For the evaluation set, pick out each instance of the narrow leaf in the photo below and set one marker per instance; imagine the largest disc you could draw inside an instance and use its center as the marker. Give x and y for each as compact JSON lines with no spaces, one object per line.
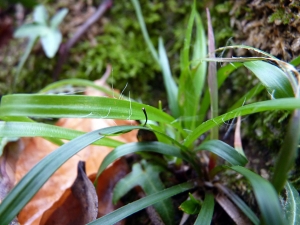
{"x":277,"y":104}
{"x":240,"y":203}
{"x":266,"y":197}
{"x":39,"y":174}
{"x":58,"y":18}
{"x":224,"y":151}
{"x":80,"y":82}
{"x":58,"y":106}
{"x":291,"y":205}
{"x":138,"y":205}
{"x":273,"y":78}
{"x":30,"y":30}
{"x":140,"y":147}
{"x":147,"y":177}
{"x":40,"y":15}
{"x":170,"y":85}
{"x":139,"y":15}
{"x":222,"y":75}
{"x":288,"y":152}
{"x":27,"y":129}
{"x":207,"y":210}
{"x":199,"y":51}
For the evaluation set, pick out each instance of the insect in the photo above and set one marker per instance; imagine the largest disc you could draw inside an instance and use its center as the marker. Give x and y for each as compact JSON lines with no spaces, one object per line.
{"x":146,"y":135}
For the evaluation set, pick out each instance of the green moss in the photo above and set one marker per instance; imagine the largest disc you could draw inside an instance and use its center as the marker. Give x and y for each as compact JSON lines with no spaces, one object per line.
{"x":122,"y":45}
{"x":281,"y":15}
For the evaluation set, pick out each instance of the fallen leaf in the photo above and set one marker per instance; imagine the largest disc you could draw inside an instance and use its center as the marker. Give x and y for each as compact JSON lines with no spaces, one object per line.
{"x":31,"y":150}
{"x":77,"y":206}
{"x":106,"y":183}
{"x":7,"y":170}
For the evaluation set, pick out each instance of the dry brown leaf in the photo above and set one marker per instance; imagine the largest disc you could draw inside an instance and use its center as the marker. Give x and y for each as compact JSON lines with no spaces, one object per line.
{"x":31,"y":150}
{"x":106,"y":183}
{"x":77,"y":206}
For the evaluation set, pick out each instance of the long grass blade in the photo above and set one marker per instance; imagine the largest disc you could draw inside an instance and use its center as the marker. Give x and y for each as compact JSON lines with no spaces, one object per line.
{"x":139,"y":15}
{"x":207,"y":210}
{"x":138,"y":205}
{"x":140,"y":147}
{"x":288,"y":152}
{"x":240,"y":203}
{"x":276,"y":104}
{"x":61,"y":106}
{"x":266,"y":197}
{"x":40,"y":173}
{"x":274,"y":79}
{"x":224,"y":151}
{"x":27,"y":129}
{"x":222,"y":75}
{"x":170,"y":85}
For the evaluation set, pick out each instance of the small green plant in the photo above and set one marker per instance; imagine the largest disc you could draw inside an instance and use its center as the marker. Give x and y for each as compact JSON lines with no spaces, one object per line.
{"x":178,"y":133}
{"x":43,"y":28}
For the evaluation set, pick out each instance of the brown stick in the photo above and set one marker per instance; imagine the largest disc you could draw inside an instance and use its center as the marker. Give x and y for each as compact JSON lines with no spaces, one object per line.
{"x":65,"y":48}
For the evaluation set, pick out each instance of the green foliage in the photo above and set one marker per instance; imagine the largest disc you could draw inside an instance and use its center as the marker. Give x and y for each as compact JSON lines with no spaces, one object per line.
{"x":46,"y":30}
{"x":191,"y":206}
{"x":280,"y":15}
{"x":291,"y":204}
{"x":146,"y":176}
{"x":122,"y":45}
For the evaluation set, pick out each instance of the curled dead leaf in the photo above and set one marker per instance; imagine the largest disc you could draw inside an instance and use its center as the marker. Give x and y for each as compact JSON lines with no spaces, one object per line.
{"x":29,"y":151}
{"x":77,"y":206}
{"x":106,"y":183}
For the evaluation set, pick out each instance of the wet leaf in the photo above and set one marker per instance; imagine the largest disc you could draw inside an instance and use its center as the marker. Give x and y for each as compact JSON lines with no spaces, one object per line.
{"x":77,"y":206}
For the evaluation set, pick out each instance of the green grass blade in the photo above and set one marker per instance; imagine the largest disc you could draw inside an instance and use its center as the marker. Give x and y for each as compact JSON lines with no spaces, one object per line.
{"x":273,"y":78}
{"x":248,"y":48}
{"x":240,"y":203}
{"x":80,"y":82}
{"x":138,"y":205}
{"x":291,"y":205}
{"x":288,"y":152}
{"x":26,"y":119}
{"x":140,"y":147}
{"x":222,"y":75}
{"x":170,"y":85}
{"x":27,"y":129}
{"x":224,"y":151}
{"x":146,"y":175}
{"x":139,"y":15}
{"x":189,"y":92}
{"x":188,"y":37}
{"x":60,"y":106}
{"x":40,"y":173}
{"x":31,"y":41}
{"x":207,"y":210}
{"x":250,"y":94}
{"x":296,"y":61}
{"x":276,"y":104}
{"x":199,"y":52}
{"x":265,"y":195}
